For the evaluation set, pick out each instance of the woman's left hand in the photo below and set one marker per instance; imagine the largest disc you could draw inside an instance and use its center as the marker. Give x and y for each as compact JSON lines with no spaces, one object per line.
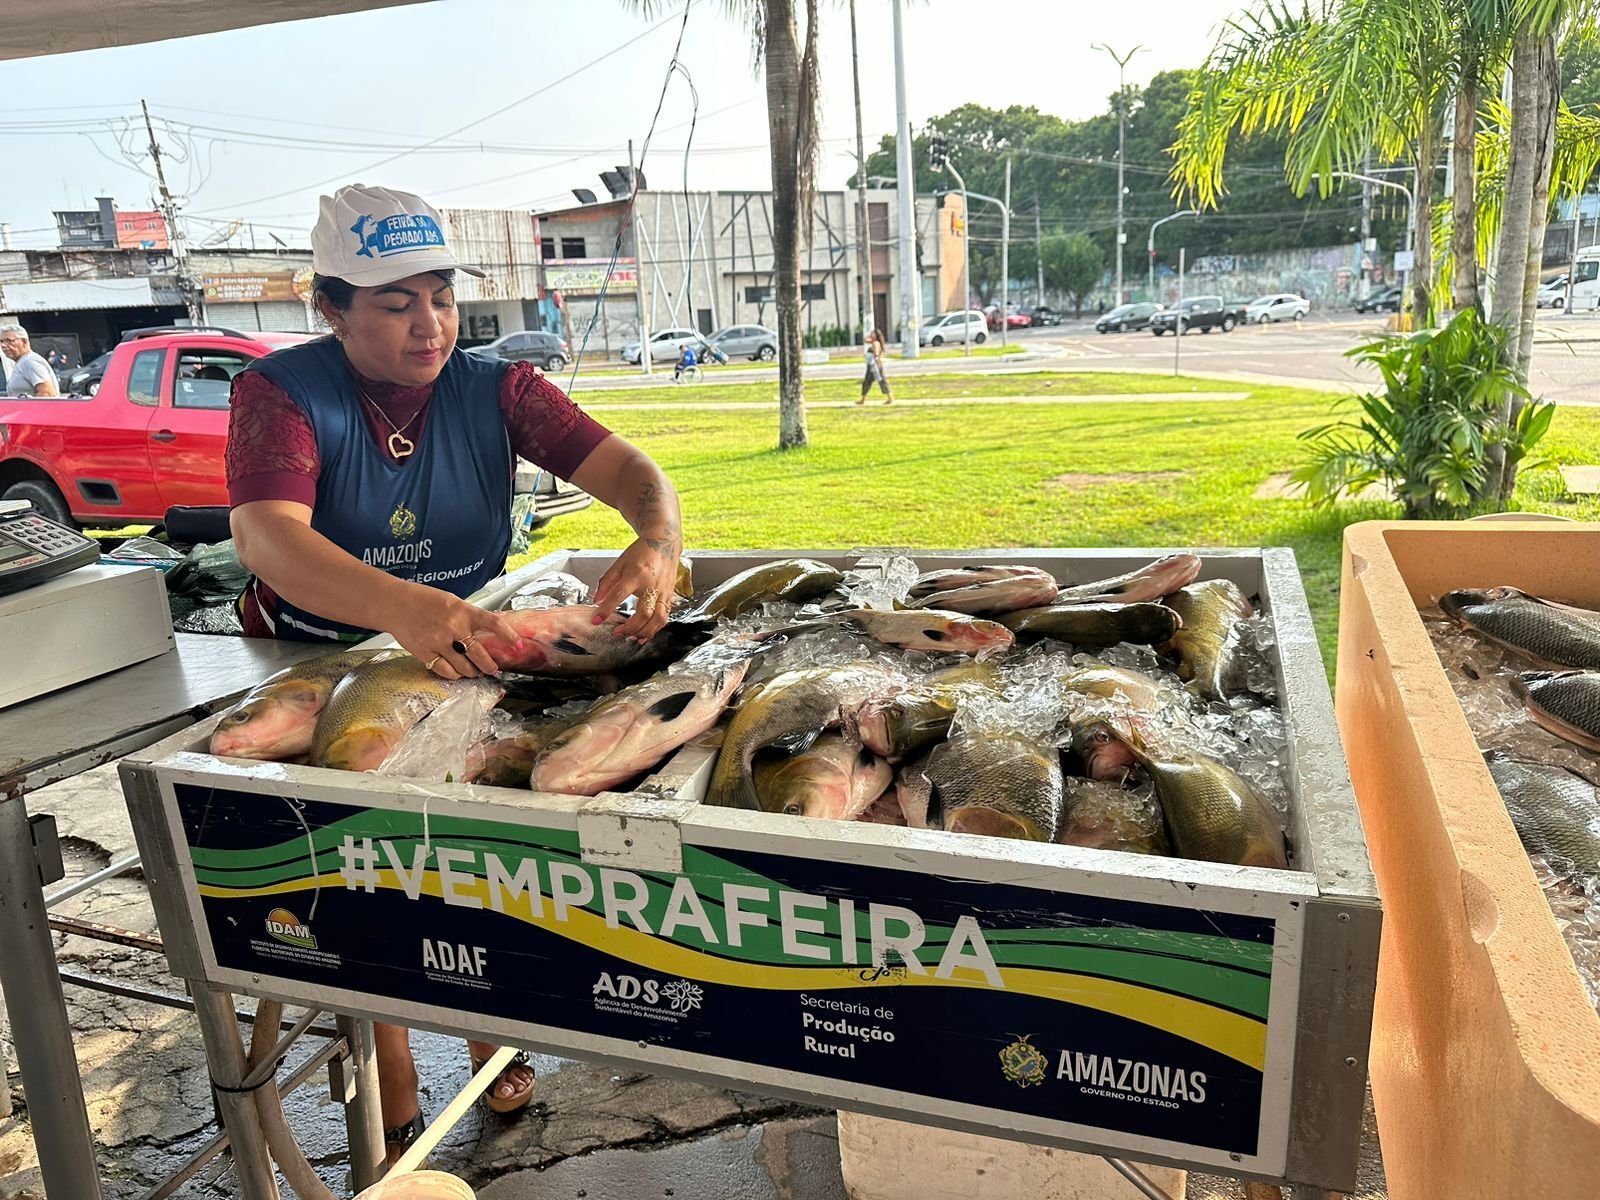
{"x":648,"y":570}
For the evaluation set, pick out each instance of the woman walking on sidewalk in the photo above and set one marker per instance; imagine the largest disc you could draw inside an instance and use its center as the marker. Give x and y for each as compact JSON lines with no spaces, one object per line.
{"x":874,"y":354}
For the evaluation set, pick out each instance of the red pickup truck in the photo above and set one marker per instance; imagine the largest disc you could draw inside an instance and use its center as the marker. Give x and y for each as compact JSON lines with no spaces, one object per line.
{"x":151,"y":438}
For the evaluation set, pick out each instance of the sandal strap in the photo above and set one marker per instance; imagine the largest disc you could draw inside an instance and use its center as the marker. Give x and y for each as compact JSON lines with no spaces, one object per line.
{"x":402,"y":1136}
{"x":520,"y":1059}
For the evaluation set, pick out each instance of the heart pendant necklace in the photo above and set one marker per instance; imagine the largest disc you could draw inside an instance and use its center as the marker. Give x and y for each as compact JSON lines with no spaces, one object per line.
{"x":400,"y":446}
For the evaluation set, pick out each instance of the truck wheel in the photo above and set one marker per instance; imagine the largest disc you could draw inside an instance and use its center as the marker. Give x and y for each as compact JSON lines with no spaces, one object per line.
{"x":1227,"y":323}
{"x":45,"y":499}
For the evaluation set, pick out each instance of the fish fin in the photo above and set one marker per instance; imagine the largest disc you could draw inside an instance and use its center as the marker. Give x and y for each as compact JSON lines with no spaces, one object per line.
{"x":670,"y":708}
{"x":795,"y":743}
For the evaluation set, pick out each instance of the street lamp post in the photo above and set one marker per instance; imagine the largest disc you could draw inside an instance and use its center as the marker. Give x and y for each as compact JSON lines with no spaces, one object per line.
{"x":1410,"y":211}
{"x":1122,"y":137}
{"x":1150,"y":242}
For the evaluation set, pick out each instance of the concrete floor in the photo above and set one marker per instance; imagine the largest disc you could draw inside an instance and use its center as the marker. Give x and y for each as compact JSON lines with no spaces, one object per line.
{"x":593,"y":1133}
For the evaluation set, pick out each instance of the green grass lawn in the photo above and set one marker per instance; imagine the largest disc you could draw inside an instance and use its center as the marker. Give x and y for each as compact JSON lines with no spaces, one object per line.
{"x":990,"y":349}
{"x":1167,"y":474}
{"x":920,"y":387}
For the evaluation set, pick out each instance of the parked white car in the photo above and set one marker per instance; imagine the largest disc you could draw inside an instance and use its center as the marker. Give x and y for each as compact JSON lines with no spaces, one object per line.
{"x":663,"y":345}
{"x":1552,"y":293}
{"x":1282,"y":306}
{"x":948,"y":327}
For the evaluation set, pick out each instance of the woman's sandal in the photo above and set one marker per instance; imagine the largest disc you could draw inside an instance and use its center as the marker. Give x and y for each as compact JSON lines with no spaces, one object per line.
{"x":397,"y":1140}
{"x":504,"y":1105}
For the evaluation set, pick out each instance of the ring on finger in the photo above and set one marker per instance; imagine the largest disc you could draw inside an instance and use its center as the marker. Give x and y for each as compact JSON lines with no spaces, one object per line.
{"x":648,"y":600}
{"x":462,"y":645}
{"x":431,"y":661}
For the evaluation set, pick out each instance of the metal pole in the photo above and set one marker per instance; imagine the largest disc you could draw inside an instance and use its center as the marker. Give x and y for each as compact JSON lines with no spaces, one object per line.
{"x":1005,"y":260}
{"x":454,"y":1111}
{"x":1150,"y":241}
{"x":966,"y":270}
{"x":1122,"y":138}
{"x":1038,"y":246}
{"x":1178,"y":325}
{"x":1364,"y":287}
{"x":1572,"y":264}
{"x":864,"y":236}
{"x":38,"y":1011}
{"x":252,"y":1165}
{"x":88,"y":881}
{"x":1141,"y":1182}
{"x":638,"y":291}
{"x":363,"y":1115}
{"x":906,"y":186}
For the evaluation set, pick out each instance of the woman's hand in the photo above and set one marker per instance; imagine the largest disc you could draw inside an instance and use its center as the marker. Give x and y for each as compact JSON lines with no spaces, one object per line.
{"x":648,"y":569}
{"x":429,"y":623}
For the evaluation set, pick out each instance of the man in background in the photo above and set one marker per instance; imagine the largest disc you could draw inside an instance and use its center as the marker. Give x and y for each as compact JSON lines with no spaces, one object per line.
{"x":30,"y":374}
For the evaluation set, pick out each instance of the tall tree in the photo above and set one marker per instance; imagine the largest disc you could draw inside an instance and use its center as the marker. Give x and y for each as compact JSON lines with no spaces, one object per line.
{"x":792,"y":126}
{"x":1074,"y":265}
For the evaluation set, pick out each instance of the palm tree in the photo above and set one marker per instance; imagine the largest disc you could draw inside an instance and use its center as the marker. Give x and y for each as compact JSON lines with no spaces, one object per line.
{"x":1337,"y":78}
{"x":792,"y":122}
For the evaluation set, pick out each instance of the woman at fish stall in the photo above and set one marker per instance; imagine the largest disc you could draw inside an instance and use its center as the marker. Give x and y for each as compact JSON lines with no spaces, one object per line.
{"x":370,"y":475}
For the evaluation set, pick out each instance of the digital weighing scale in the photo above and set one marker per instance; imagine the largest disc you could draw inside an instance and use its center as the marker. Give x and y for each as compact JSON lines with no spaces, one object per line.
{"x":64,"y":615}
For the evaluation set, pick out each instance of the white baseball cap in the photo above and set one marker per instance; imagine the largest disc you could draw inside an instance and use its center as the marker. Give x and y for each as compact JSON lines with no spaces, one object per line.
{"x":369,"y":236}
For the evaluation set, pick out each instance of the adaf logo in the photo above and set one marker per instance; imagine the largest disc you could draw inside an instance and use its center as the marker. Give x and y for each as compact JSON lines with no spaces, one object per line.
{"x":402,"y":522}
{"x":1023,"y":1063}
{"x":284,"y":926}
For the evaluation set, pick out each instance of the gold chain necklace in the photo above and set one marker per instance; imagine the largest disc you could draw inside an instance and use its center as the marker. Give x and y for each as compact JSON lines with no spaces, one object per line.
{"x":400,"y":446}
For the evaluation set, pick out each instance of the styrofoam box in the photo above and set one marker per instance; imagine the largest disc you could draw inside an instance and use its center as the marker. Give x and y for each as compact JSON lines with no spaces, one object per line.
{"x":80,"y":626}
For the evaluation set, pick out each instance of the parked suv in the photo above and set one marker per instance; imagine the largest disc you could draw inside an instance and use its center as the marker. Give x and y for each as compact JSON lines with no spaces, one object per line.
{"x":1204,"y":313}
{"x":663,"y":345}
{"x":545,"y":349}
{"x":955,"y":327}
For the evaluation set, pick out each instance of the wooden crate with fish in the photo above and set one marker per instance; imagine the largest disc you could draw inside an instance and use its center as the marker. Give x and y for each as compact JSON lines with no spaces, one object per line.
{"x":1456,"y":672}
{"x":1056,"y":845}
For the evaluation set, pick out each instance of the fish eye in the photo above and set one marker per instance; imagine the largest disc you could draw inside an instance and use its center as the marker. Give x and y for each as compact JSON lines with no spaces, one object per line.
{"x":933,"y":635}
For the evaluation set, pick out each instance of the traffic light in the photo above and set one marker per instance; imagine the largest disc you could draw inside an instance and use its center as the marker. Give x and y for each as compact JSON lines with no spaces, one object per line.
{"x":938,"y":152}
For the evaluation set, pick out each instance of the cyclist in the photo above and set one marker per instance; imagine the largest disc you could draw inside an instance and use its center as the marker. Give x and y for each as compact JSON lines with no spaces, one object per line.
{"x":686,"y":360}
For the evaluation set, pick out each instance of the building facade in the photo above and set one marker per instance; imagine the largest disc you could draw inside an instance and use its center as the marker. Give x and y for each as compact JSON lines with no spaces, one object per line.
{"x":704,"y":261}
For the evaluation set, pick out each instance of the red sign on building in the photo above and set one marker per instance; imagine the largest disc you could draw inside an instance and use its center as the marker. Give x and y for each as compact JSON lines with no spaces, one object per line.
{"x":141,"y":231}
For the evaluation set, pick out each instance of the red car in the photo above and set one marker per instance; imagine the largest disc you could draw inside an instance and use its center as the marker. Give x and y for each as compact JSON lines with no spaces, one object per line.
{"x":1015,"y":319}
{"x":150,"y":438}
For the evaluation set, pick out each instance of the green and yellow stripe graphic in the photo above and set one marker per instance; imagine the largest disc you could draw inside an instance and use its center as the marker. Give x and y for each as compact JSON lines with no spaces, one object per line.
{"x":1209,"y":989}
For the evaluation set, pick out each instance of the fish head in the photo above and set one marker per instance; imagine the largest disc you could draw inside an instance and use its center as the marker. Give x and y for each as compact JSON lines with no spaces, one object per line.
{"x":895,"y":726}
{"x":807,"y":785}
{"x":276,"y":723}
{"x":1105,"y":750}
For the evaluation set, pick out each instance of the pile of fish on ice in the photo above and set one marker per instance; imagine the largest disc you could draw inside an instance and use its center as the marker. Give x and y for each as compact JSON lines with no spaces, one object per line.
{"x":1540,"y":734}
{"x":1132,"y":714}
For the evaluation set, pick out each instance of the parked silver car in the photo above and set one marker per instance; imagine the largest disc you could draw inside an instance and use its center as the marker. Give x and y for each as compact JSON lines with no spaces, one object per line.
{"x":547,"y":350}
{"x":663,"y":345}
{"x":746,"y":341}
{"x":1279,"y":306}
{"x":948,"y":327}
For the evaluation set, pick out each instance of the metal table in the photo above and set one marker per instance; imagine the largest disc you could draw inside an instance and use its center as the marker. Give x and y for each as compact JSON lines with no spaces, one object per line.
{"x":52,"y":738}
{"x":59,"y":735}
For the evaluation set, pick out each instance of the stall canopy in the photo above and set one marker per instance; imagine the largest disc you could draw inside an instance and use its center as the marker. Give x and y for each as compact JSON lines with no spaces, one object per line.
{"x":40,"y":27}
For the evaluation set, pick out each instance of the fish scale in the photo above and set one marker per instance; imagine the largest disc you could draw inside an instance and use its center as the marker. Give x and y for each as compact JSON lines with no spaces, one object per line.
{"x":1551,"y":633}
{"x":1567,"y":703}
{"x":996,"y":785}
{"x":372,"y":709}
{"x":1555,"y":812}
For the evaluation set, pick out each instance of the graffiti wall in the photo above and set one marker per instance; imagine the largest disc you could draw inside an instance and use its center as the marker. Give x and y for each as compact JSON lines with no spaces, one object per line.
{"x":1329,"y":276}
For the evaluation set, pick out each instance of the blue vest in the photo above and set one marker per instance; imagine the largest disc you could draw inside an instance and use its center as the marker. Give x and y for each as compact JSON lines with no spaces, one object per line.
{"x":442,"y":517}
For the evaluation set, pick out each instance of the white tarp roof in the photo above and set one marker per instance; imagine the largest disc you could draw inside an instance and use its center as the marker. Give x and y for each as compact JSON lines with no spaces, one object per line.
{"x":56,"y":295}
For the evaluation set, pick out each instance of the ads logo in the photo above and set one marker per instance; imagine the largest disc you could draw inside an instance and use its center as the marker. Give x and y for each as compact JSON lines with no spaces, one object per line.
{"x":284,"y":926}
{"x":679,"y":995}
{"x":1023,"y":1063}
{"x":402,"y":522}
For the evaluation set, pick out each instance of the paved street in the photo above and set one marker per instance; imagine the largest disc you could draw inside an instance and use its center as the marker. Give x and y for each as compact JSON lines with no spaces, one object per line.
{"x":1566,"y":359}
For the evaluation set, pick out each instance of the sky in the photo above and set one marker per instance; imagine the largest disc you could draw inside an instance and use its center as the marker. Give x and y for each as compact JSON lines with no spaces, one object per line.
{"x":512,"y":103}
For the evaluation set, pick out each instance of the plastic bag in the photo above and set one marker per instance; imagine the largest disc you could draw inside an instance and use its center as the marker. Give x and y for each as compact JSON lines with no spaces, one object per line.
{"x":556,"y":590}
{"x":436,"y":748}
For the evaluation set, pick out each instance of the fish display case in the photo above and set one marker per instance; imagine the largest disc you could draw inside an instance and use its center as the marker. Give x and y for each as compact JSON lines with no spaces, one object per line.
{"x":1486,"y":1049}
{"x":1173,"y":1011}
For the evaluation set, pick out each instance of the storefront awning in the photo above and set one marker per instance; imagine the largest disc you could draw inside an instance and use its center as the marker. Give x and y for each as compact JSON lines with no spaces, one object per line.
{"x":56,"y":295}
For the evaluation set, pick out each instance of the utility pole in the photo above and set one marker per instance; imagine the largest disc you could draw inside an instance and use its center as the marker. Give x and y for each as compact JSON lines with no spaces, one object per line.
{"x":864,"y":236}
{"x":169,"y":210}
{"x":638,"y":287}
{"x":1122,"y":145}
{"x":1038,"y":246}
{"x":906,"y":186}
{"x":1005,"y":259}
{"x":1364,"y":287}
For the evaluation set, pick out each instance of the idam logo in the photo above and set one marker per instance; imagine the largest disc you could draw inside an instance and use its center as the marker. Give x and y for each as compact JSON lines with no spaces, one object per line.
{"x":286,"y":927}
